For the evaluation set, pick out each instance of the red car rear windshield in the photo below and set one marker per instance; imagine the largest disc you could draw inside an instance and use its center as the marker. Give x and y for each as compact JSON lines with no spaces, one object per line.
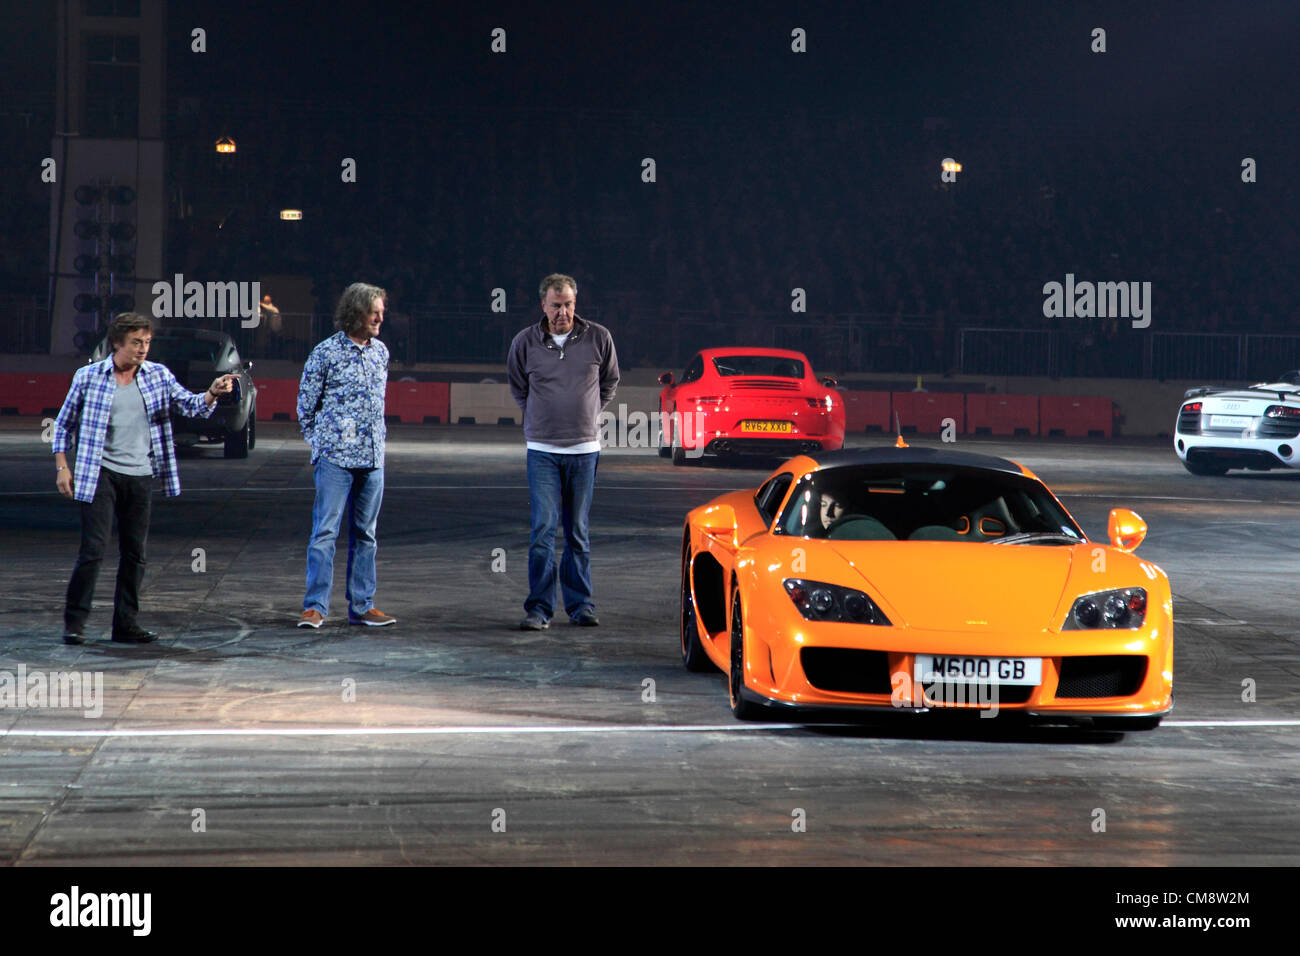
{"x":769,"y":366}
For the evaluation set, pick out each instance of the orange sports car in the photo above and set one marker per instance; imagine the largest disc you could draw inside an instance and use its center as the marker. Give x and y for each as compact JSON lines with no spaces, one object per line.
{"x":917,"y":579}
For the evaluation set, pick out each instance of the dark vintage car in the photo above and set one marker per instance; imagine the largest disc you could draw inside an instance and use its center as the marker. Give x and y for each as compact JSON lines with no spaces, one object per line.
{"x":196,"y":357}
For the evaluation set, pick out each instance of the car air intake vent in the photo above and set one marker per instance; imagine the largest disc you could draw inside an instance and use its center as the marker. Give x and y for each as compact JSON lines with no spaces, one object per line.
{"x":785,"y":385}
{"x":948,"y":694}
{"x":1272,"y":428}
{"x":1118,"y":675}
{"x":1189,"y":422}
{"x":846,"y":669}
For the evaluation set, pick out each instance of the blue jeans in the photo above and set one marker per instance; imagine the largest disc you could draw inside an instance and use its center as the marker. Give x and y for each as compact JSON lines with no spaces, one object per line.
{"x":559,"y":494}
{"x":358,"y":491}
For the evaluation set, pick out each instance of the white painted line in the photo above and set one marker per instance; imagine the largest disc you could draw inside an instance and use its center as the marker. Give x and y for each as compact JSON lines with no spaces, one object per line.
{"x":1230,"y":723}
{"x":403,"y":731}
{"x":1240,"y":501}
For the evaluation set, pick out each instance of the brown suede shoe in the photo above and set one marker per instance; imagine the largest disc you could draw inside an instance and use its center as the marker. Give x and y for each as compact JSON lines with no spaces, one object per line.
{"x":372,"y":618}
{"x":311,"y":618}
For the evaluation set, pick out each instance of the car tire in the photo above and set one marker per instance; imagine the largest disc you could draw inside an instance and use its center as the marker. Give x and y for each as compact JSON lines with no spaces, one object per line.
{"x":1203,"y":470}
{"x":694,"y":657}
{"x":238,"y":443}
{"x":252,"y":426}
{"x":664,"y":450}
{"x":740,"y":708}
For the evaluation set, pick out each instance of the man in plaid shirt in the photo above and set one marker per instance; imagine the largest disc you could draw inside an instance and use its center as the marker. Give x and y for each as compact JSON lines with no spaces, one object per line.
{"x":118,"y":414}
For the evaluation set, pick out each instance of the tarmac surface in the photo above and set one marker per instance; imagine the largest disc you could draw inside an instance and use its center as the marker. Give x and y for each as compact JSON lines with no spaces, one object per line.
{"x":453,"y":738}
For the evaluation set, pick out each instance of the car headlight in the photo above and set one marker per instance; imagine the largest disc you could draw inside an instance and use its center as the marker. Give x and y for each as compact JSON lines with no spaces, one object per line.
{"x":1121,"y":608}
{"x":829,"y":602}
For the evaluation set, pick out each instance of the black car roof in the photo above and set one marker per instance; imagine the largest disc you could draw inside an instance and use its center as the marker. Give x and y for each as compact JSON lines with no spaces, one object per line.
{"x":913,"y":456}
{"x":211,"y":335}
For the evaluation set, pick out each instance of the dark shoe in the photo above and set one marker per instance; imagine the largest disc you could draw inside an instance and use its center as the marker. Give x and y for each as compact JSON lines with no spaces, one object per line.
{"x":372,"y":618}
{"x":586,"y":618}
{"x":534,"y":622}
{"x":73,"y":637}
{"x":134,"y":635}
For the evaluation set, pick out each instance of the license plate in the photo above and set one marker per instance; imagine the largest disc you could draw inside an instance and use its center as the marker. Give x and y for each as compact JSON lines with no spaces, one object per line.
{"x":939,"y":668}
{"x":1229,"y":421}
{"x":751,"y":426}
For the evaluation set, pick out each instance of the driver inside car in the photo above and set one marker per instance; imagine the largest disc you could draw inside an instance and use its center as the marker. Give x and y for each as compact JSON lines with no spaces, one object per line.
{"x":832,"y":508}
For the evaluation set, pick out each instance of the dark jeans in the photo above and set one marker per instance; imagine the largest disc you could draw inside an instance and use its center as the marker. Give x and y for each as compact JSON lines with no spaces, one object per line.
{"x":559,"y":490}
{"x":125,"y":497}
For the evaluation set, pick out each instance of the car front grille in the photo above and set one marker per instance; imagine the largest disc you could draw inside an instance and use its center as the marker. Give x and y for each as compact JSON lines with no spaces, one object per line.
{"x":947,"y":693}
{"x":1115,"y":675}
{"x":846,"y":670}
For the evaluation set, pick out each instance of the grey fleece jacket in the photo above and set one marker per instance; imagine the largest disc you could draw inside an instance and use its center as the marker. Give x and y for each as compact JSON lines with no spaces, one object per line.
{"x":561,"y":391}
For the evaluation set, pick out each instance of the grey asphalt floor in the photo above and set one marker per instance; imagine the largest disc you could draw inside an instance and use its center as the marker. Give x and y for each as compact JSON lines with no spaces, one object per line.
{"x":454,"y":738}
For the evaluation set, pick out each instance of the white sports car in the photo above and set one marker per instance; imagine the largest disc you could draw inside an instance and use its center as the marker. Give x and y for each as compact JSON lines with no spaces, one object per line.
{"x":1254,"y":427}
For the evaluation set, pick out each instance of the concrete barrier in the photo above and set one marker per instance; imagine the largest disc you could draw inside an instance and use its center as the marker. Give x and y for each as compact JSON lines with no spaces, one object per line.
{"x":867,"y":412}
{"x":473,"y":403}
{"x":924,"y":412}
{"x":277,"y":399}
{"x":418,"y":402}
{"x":38,"y":394}
{"x":1001,"y":414}
{"x":1076,"y":416}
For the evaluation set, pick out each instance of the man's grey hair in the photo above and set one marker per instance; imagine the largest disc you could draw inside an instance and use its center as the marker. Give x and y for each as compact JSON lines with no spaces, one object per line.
{"x":557,"y":281}
{"x":354,"y":306}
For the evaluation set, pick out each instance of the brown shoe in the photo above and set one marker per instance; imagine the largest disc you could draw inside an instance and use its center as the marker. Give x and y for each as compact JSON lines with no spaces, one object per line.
{"x":372,"y":618}
{"x":311,"y":618}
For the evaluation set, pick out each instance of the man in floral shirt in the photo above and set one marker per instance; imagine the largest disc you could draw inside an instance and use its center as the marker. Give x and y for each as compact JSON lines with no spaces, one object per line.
{"x":341,"y":412}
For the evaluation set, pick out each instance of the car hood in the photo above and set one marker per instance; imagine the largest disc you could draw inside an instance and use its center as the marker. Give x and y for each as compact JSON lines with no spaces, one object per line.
{"x":964,"y":586}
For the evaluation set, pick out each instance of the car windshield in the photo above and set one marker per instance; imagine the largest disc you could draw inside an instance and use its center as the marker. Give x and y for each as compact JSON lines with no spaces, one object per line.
{"x":771,"y":366}
{"x":925,"y":503}
{"x":166,"y":349}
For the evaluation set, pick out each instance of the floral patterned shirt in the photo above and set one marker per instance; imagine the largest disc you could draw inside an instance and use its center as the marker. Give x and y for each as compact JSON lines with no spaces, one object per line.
{"x":341,"y":402}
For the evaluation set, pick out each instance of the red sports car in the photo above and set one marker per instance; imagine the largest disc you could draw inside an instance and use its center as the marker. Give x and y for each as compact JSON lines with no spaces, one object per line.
{"x":748,"y":401}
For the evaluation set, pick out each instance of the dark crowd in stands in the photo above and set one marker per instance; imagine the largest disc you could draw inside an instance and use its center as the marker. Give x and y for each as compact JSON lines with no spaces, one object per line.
{"x":451,"y":205}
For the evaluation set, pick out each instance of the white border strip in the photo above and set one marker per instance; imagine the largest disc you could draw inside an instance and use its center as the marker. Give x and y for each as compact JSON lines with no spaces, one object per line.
{"x":402,"y":731}
{"x":504,"y":730}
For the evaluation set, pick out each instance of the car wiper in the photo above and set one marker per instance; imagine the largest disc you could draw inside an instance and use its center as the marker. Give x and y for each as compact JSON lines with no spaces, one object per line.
{"x":1038,"y":537}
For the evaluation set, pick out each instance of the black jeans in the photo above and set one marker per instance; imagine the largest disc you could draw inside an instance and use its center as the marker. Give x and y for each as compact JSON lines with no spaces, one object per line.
{"x":125,"y":497}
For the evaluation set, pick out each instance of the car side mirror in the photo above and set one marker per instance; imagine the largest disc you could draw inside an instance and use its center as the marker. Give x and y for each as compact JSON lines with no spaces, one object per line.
{"x":1126,"y":529}
{"x":720,"y":521}
{"x":666,"y":378}
{"x":829,"y":382}
{"x":248,"y":366}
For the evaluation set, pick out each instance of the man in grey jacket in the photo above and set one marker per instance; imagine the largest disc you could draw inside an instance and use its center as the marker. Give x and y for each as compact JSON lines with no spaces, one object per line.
{"x":563,"y":371}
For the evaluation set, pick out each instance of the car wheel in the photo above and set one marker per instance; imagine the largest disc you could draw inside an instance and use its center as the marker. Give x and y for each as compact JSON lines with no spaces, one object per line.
{"x":693,"y":654}
{"x":664,"y":450}
{"x":1205,"y":470}
{"x":741,"y":708}
{"x":238,"y":443}
{"x":252,"y":427}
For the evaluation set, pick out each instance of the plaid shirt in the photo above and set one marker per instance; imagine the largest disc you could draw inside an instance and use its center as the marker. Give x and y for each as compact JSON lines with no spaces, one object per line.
{"x":84,"y":420}
{"x":341,"y":402}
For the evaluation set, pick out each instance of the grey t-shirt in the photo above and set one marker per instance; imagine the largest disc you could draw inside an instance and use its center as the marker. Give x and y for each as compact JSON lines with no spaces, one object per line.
{"x":126,"y":446}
